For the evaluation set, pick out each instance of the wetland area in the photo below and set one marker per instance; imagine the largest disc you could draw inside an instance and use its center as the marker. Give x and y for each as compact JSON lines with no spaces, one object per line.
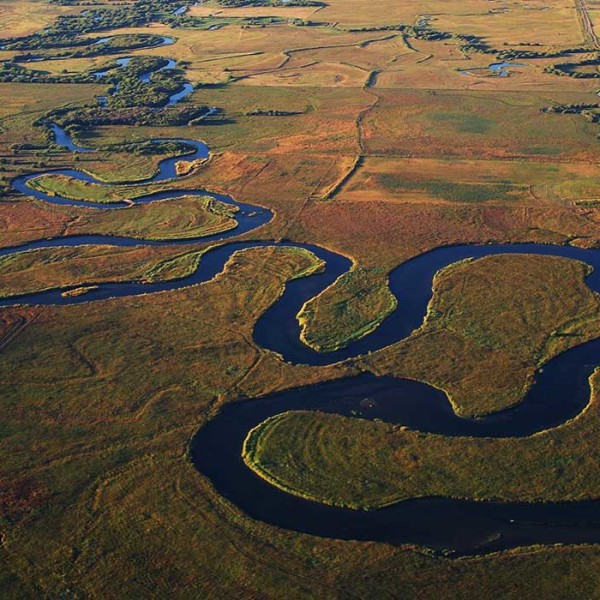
{"x":299,"y":296}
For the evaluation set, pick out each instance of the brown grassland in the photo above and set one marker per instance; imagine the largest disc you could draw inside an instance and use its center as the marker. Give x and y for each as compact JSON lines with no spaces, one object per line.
{"x":28,"y":16}
{"x":371,"y":144}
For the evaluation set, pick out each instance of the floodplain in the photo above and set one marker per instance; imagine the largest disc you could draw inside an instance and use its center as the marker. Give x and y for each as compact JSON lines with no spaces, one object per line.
{"x":278,"y":153}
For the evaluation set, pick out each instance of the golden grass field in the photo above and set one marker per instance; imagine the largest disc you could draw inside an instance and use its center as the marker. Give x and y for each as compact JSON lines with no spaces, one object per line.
{"x":26,"y":17}
{"x":500,"y":21}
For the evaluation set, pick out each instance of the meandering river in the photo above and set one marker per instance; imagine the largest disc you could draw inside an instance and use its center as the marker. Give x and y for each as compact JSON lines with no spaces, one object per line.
{"x":560,"y":392}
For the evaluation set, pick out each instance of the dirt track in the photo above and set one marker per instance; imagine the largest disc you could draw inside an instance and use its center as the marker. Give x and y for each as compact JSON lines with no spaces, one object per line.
{"x":587,"y":26}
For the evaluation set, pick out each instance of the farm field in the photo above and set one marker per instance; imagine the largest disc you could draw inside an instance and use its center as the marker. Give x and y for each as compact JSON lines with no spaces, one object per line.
{"x":24,"y":18}
{"x":299,"y":299}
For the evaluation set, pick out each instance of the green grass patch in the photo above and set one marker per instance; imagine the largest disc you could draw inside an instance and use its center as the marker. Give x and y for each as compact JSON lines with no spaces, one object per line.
{"x":84,"y":266}
{"x":187,"y":217}
{"x":85,"y":191}
{"x":449,"y":190}
{"x":174,"y":268}
{"x":463,"y":122}
{"x":543,"y":151}
{"x":367,"y":465}
{"x":352,"y":307}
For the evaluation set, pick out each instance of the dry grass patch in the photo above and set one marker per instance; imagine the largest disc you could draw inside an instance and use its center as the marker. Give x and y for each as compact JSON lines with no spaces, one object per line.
{"x":25,"y":17}
{"x":492,"y":181}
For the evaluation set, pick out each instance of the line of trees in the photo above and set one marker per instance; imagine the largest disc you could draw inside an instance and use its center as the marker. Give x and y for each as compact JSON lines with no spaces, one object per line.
{"x":570,"y":69}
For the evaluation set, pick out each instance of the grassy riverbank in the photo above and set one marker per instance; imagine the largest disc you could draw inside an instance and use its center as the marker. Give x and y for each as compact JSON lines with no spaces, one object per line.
{"x":356,"y":305}
{"x":480,"y":342}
